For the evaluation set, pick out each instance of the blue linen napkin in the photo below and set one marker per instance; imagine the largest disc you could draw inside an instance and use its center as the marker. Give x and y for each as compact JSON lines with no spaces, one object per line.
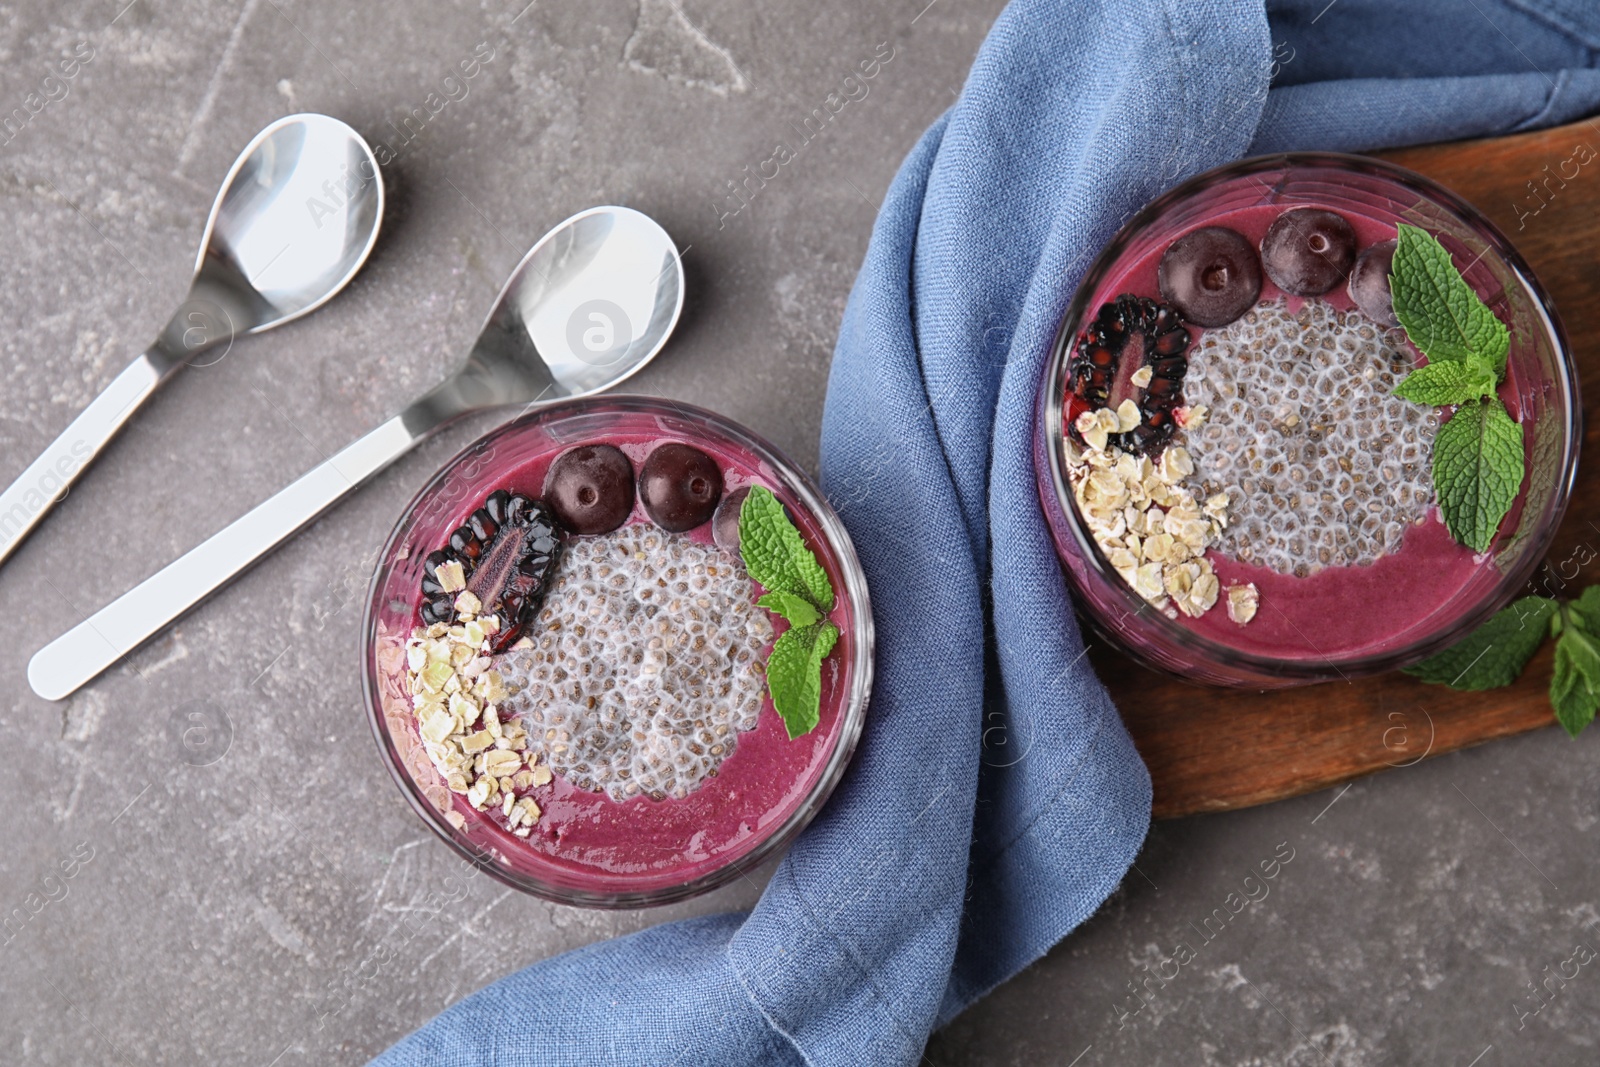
{"x":996,"y":799}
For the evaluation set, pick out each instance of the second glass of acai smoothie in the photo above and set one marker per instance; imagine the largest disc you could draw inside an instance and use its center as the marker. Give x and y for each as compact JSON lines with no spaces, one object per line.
{"x":1237,"y":492}
{"x":619,"y":651}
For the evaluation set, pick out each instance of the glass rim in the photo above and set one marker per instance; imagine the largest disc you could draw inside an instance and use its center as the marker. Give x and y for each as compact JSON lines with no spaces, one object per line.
{"x":852,"y":715}
{"x":1052,"y":397}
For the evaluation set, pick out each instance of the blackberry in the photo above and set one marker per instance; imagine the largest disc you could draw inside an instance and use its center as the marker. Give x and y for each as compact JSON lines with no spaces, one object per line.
{"x":1131,"y":332}
{"x":507,"y":550}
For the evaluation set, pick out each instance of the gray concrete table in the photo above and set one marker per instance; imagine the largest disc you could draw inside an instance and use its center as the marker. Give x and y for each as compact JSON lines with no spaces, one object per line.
{"x":250,"y":894}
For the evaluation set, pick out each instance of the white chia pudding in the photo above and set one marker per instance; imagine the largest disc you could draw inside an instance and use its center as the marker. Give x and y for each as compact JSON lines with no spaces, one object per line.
{"x":1323,"y":464}
{"x":645,"y":665}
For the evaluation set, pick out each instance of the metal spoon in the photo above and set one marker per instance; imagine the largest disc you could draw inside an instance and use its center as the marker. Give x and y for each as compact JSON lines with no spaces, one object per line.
{"x":294,"y":221}
{"x":589,"y":305}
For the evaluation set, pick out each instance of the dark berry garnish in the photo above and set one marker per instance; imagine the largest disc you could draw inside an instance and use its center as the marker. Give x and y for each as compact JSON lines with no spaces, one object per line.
{"x":507,"y":550}
{"x":1308,"y":251}
{"x":1369,"y":283}
{"x":1129,"y":333}
{"x":725,"y":523}
{"x":1211,"y":275}
{"x":590,"y":488}
{"x":679,"y":486}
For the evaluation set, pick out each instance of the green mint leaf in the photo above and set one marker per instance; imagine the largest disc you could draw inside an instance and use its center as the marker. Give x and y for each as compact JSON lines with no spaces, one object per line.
{"x":1587,"y":609}
{"x":1575,"y":686}
{"x":1445,"y":382}
{"x":797,"y":609}
{"x":1441,"y":313}
{"x":1494,"y":654}
{"x":794,"y":675}
{"x":1477,"y":470}
{"x":776,"y":556}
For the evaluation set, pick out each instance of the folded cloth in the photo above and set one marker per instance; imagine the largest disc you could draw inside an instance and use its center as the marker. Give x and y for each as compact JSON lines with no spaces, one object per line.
{"x":996,"y":799}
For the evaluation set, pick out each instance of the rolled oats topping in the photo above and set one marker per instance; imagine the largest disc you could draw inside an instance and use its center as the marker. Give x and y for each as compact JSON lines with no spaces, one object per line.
{"x":456,"y":696}
{"x":1242,"y":602}
{"x":1147,"y":521}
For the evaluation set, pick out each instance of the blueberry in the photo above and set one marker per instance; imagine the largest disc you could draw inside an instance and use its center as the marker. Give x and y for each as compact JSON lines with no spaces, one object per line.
{"x":1211,"y":275}
{"x":679,"y":486}
{"x":590,"y":488}
{"x":1369,"y":283}
{"x":725,"y":523}
{"x":1308,"y":251}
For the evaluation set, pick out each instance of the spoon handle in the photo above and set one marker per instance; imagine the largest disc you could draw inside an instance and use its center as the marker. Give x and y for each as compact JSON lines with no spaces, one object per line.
{"x":47,"y":478}
{"x":77,"y":656}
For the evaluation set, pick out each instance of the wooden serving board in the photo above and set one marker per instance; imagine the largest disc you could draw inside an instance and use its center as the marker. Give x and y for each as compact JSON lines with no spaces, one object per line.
{"x":1214,"y":749}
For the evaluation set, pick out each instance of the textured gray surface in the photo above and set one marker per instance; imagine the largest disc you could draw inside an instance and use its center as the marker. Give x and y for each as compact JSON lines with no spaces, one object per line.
{"x":263,"y":907}
{"x":1404,"y":930}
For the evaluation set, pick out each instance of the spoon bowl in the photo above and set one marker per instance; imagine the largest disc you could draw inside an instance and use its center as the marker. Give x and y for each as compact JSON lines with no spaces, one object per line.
{"x":295,"y":219}
{"x":587,"y":307}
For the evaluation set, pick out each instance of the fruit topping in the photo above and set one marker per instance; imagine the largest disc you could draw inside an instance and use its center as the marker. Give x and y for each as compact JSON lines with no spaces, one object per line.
{"x":1130,"y":364}
{"x":1308,"y":251}
{"x":1369,"y":283}
{"x":679,"y":486}
{"x":1212,"y":275}
{"x":504,"y":554}
{"x":590,"y":488}
{"x":725,"y":523}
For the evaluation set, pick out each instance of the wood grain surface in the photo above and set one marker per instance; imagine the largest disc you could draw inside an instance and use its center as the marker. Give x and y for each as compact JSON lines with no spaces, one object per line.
{"x":1215,"y":749}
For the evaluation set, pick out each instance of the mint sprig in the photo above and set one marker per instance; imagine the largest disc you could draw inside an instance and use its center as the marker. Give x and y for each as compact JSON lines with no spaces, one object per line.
{"x":774,"y":553}
{"x":1477,"y":470}
{"x":1575,"y":686}
{"x":1478,"y":462}
{"x":1445,"y":382}
{"x":794,"y":675}
{"x":798,"y":589}
{"x":797,"y":609}
{"x":1441,"y":313}
{"x":1495,"y":653}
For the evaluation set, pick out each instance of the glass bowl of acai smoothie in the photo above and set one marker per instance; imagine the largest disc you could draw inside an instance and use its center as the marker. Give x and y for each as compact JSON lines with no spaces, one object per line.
{"x":1241,"y":489}
{"x":567,"y":651}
